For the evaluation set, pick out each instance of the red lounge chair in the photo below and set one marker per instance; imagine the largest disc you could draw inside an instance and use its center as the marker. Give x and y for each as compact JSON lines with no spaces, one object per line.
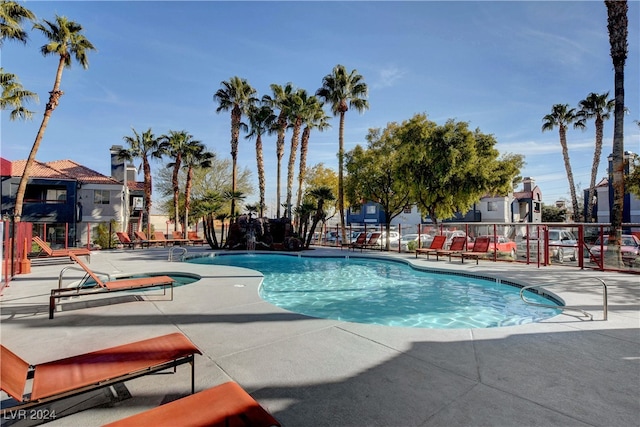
{"x":457,"y":246}
{"x":158,"y":236}
{"x":373,"y":241}
{"x":126,"y":240}
{"x":79,"y":374}
{"x":58,"y":253}
{"x":194,"y":239}
{"x":110,"y":286}
{"x":480,"y":248}
{"x":436,"y":244}
{"x":141,"y":238}
{"x":221,"y":406}
{"x":360,"y":241}
{"x":178,"y":238}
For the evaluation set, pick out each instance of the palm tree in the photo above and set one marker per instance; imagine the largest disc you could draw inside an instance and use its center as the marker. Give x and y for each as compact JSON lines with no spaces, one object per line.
{"x":303,"y":213}
{"x":280,"y":100}
{"x":174,"y":145}
{"x":235,"y":198}
{"x":65,"y":40}
{"x":14,"y":96}
{"x":343,"y":90}
{"x":597,"y":107}
{"x":298,"y":104}
{"x":562,"y":116}
{"x":236,"y":95}
{"x":12,"y":15}
{"x":195,"y":156}
{"x":617,"y":24}
{"x":261,"y":121}
{"x":142,"y":147}
{"x":314,"y":117}
{"x":321,"y":194}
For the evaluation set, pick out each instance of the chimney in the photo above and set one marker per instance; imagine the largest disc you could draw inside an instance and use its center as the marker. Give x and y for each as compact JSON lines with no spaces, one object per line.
{"x":528,"y":183}
{"x":117,"y":163}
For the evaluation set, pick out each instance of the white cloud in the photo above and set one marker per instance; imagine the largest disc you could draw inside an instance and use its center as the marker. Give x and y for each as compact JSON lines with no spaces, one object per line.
{"x":387,"y":77}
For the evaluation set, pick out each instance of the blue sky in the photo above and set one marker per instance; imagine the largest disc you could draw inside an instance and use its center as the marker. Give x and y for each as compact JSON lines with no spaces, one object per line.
{"x":498,"y":65}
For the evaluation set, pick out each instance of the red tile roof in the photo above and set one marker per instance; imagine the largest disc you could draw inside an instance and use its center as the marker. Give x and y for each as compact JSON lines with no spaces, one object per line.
{"x":62,"y":169}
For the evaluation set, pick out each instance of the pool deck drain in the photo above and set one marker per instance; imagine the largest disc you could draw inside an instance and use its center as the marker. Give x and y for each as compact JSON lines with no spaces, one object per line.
{"x":308,"y":371}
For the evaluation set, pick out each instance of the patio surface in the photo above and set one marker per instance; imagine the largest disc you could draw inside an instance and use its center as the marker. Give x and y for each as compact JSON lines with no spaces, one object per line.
{"x":565,"y":371}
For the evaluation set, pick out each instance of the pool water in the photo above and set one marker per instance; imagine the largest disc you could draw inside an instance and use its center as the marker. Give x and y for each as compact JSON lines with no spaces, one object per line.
{"x":385,"y":292}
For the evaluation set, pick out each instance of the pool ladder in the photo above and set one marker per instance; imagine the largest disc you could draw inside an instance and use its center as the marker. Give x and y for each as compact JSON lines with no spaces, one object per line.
{"x":181,"y":256}
{"x":605,"y":304}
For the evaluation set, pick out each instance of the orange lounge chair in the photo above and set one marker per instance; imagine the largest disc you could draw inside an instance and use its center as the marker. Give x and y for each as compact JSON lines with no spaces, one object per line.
{"x":178,"y":238}
{"x":194,"y":239}
{"x":361,"y":240}
{"x":158,"y":236}
{"x":225,"y":405}
{"x":480,"y":248}
{"x":141,"y":238}
{"x":126,"y":240}
{"x":79,"y":374}
{"x":457,"y":246}
{"x":58,"y":253}
{"x":110,"y":286}
{"x":373,"y":241}
{"x":436,"y":244}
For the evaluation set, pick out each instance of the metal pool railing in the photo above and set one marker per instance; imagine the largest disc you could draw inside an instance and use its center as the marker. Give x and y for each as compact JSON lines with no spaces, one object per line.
{"x":605,"y":303}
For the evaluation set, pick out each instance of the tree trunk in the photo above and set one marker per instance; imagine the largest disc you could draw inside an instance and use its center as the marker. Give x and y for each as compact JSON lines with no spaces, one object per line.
{"x":295,"y":139}
{"x":567,"y":166}
{"x":54,"y":99}
{"x":304,"y":148}
{"x":341,"y":174}
{"x":594,"y":167}
{"x":261,"y":179}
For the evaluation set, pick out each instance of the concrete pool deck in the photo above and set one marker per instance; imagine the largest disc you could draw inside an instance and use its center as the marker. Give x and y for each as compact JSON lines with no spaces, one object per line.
{"x":565,"y":371}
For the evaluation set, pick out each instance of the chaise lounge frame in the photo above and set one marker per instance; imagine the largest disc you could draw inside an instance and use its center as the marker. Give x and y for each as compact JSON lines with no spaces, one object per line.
{"x":437,"y":244}
{"x":59,"y":253}
{"x":71,"y":376}
{"x":480,"y":249}
{"x":109,"y":286}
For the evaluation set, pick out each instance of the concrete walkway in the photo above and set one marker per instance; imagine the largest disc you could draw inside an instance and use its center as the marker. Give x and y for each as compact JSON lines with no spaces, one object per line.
{"x":316,"y":372}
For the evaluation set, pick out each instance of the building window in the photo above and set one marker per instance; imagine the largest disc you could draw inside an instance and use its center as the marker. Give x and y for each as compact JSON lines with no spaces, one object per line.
{"x":536,"y":207}
{"x":56,"y":196}
{"x":492,"y":206}
{"x":371,"y":210}
{"x":407,"y":209}
{"x":101,"y":197}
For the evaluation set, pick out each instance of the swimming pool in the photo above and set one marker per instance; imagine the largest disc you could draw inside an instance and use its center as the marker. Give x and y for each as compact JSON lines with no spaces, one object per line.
{"x":392,"y":293}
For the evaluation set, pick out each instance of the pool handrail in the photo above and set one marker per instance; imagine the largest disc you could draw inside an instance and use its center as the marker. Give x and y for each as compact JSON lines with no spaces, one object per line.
{"x":605,"y":303}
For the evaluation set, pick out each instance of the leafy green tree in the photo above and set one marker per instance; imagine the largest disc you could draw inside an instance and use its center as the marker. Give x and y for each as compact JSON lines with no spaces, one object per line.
{"x":343,"y":90}
{"x":562,"y":116}
{"x":375,"y":173}
{"x":261,"y":120}
{"x":143,"y":146}
{"x":552,"y":213}
{"x":281,"y":101}
{"x":65,"y":40}
{"x":236,"y":95}
{"x":598,"y":107}
{"x":321,"y":195}
{"x":617,"y":25}
{"x":321,"y":176}
{"x":449,"y":167}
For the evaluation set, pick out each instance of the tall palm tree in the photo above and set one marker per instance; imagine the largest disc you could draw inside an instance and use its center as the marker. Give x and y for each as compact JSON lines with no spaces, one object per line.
{"x":298,"y":103}
{"x":321,"y":194}
{"x":195,"y":156}
{"x":281,"y":101}
{"x":617,"y":24}
{"x":236,"y":95}
{"x":597,"y":107}
{"x":14,"y":96}
{"x":174,"y":145}
{"x":343,"y":90}
{"x":143,"y":146}
{"x":261,"y":120}
{"x":314,"y":117}
{"x":12,"y":15}
{"x":65,"y":40}
{"x":562,"y":116}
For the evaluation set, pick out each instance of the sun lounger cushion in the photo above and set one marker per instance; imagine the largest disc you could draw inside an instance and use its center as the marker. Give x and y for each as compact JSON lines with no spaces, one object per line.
{"x":226,"y":405}
{"x":85,"y":372}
